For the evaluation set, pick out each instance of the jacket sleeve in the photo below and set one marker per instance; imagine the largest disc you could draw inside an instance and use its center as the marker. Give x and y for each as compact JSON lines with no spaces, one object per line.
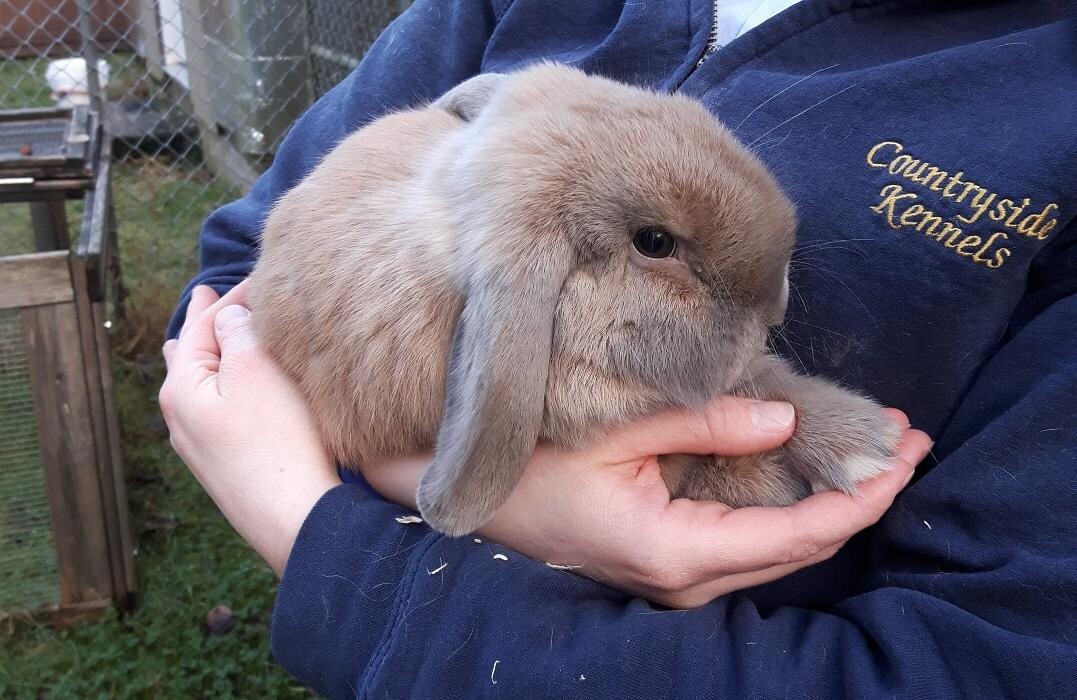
{"x":429,"y":49}
{"x":972,"y":590}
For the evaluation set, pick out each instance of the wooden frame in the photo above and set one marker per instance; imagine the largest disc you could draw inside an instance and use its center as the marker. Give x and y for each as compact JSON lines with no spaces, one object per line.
{"x":63,"y":296}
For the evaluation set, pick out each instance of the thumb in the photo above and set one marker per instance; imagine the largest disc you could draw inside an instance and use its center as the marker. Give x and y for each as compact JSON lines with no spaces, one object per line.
{"x":233,"y":329}
{"x":728,"y":426}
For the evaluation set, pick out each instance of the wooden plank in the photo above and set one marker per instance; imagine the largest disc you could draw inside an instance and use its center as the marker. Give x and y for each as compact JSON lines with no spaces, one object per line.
{"x":78,"y":138}
{"x":42,"y":190}
{"x":90,"y":278}
{"x":24,"y":113}
{"x":53,"y":615}
{"x":116,"y":294}
{"x":68,"y":452}
{"x":95,"y":369}
{"x":35,"y":279}
{"x":124,"y":579}
{"x":49,"y":220}
{"x":98,"y":200}
{"x":93,"y":239}
{"x":89,"y":265}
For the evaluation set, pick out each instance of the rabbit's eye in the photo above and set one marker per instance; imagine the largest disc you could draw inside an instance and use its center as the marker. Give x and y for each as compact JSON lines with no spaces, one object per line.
{"x":654,"y":242}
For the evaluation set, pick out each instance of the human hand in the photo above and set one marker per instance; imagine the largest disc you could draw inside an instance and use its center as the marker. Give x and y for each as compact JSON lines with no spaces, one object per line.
{"x":606,"y":513}
{"x":242,"y":427}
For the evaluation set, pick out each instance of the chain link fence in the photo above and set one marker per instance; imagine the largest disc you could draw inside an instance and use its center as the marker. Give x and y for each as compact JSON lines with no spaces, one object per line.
{"x":197,"y":93}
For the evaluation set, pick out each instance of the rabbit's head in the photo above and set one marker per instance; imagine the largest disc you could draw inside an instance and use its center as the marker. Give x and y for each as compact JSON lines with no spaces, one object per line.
{"x":618,"y":251}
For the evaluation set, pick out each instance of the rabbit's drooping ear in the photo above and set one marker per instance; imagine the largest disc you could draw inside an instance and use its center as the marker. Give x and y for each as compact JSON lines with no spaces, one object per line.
{"x":495,"y":392}
{"x":468,"y":98}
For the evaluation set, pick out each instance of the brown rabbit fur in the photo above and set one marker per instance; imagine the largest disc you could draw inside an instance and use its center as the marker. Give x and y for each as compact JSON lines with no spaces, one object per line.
{"x":468,"y":276}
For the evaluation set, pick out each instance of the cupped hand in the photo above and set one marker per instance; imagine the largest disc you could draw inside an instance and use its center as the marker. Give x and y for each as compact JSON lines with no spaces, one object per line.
{"x":246,"y":433}
{"x":606,"y":512}
{"x":241,"y":426}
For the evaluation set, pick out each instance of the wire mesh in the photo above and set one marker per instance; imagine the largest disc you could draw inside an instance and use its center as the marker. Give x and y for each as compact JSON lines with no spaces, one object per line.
{"x":201,"y":91}
{"x":341,"y":32}
{"x":198,"y":95}
{"x":28,"y":576}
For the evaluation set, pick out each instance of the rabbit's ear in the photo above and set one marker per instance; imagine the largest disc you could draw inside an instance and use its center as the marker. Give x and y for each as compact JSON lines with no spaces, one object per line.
{"x":468,"y":98}
{"x":495,"y":392}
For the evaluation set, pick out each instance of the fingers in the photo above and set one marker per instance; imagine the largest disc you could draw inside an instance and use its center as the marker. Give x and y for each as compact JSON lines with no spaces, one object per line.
{"x":197,"y":336}
{"x":898,"y":416}
{"x":759,"y":538}
{"x":168,"y":350}
{"x":727,"y":426}
{"x":704,"y":593}
{"x":202,"y":297}
{"x":196,"y":340}
{"x":241,"y":356}
{"x":232,"y":330}
{"x":239,"y":294}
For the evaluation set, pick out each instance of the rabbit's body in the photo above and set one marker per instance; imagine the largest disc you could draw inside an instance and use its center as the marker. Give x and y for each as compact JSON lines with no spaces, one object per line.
{"x":355,"y":294}
{"x":469,"y":277}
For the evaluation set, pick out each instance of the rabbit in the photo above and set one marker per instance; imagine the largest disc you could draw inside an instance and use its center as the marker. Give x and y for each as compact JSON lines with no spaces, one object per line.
{"x":544,"y":255}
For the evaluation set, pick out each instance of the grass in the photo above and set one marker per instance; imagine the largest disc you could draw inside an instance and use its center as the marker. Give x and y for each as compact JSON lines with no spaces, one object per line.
{"x":189,"y":559}
{"x":22,"y":82}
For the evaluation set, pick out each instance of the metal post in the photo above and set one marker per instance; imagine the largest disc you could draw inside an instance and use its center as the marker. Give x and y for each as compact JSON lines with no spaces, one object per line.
{"x":89,"y":54}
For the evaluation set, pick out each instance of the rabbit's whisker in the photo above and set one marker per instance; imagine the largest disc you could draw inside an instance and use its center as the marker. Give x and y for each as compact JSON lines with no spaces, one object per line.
{"x":821,"y":328}
{"x":837,"y":243}
{"x":800,"y":114}
{"x":780,"y":93}
{"x":779,"y":331}
{"x":832,"y":275}
{"x":772,"y":144}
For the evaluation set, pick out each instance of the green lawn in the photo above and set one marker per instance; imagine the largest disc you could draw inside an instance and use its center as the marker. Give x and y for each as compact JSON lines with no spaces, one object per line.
{"x":189,"y":559}
{"x":22,"y":82}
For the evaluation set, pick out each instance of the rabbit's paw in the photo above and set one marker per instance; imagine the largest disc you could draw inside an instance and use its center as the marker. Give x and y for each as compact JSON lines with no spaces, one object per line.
{"x":841,"y":439}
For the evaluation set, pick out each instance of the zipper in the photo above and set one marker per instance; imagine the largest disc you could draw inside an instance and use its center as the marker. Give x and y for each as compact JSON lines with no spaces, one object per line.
{"x":712,"y":40}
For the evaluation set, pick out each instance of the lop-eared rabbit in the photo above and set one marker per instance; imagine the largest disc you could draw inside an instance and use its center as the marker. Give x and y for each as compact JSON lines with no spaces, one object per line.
{"x":544,"y":255}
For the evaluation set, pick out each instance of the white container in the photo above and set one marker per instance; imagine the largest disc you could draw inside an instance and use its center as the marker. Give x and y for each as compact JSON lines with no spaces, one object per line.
{"x":68,"y":80}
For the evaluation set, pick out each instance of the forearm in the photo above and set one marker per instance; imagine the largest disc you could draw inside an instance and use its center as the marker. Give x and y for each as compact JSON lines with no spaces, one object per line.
{"x":373,"y":606}
{"x":242,"y":427}
{"x":268,"y":503}
{"x":971,"y":589}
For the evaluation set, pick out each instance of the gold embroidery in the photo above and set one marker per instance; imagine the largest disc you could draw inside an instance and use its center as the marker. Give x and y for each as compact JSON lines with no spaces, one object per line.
{"x":1000,"y":257}
{"x":1016,"y":211}
{"x":875,"y":149}
{"x":891,"y":193}
{"x":908,"y":217}
{"x":930,"y":222}
{"x":900,"y":208}
{"x":955,"y":180}
{"x":948,"y":228}
{"x":967,"y":245}
{"x":978,"y":256}
{"x":978,"y":206}
{"x":1029,"y":229}
{"x":1000,"y":210}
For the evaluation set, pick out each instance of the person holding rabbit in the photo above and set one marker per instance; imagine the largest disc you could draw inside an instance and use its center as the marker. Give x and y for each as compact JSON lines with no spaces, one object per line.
{"x":934,"y":269}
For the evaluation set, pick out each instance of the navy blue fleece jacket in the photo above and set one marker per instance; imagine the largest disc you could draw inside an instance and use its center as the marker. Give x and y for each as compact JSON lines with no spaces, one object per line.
{"x":931,"y":151}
